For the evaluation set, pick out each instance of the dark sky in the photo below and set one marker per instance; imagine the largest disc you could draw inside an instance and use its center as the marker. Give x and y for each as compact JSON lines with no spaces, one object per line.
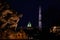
{"x":29,"y":9}
{"x":50,"y":13}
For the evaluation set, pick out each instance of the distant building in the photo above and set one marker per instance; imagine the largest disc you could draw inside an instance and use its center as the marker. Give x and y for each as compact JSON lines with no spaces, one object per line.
{"x":29,"y":24}
{"x":55,"y":29}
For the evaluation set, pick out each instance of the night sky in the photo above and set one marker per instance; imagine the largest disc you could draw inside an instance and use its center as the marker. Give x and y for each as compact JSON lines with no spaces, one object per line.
{"x":29,"y":9}
{"x":50,"y":13}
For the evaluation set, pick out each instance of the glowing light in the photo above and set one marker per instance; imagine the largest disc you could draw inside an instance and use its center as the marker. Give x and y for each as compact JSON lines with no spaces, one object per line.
{"x":54,"y":29}
{"x":40,"y":25}
{"x":29,"y":25}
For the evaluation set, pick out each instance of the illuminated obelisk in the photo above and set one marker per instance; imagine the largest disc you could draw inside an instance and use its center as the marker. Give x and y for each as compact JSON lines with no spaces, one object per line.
{"x":40,"y":25}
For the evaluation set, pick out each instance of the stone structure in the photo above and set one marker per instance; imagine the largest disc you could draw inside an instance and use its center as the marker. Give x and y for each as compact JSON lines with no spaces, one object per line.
{"x":8,"y":23}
